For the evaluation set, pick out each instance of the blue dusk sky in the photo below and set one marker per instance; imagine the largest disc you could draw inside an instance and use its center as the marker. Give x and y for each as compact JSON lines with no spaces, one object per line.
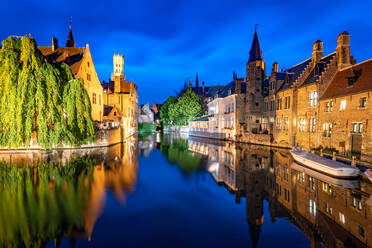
{"x":166,"y":42}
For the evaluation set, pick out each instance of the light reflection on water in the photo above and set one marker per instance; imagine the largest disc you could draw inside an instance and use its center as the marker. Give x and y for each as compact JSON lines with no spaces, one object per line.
{"x":170,"y":191}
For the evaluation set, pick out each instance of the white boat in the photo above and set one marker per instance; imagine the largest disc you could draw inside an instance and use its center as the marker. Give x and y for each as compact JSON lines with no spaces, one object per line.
{"x":339,"y":182}
{"x":368,"y":174}
{"x":324,"y":165}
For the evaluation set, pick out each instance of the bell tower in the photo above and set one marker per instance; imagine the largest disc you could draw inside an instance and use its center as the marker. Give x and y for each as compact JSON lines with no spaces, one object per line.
{"x":118,"y":72}
{"x":118,"y":63}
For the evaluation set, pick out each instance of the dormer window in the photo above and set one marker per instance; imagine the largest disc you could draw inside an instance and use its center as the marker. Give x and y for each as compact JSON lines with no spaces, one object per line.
{"x":352,"y":80}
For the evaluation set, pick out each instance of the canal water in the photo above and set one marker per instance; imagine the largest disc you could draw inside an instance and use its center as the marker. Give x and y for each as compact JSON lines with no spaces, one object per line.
{"x":174,"y":191}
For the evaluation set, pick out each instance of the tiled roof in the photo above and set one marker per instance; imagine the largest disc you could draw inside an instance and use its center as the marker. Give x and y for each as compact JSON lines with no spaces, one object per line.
{"x":230,"y":89}
{"x":212,"y":90}
{"x":106,"y":110}
{"x":339,"y":85}
{"x":280,"y":75}
{"x":298,"y":69}
{"x":72,"y":56}
{"x":108,"y":85}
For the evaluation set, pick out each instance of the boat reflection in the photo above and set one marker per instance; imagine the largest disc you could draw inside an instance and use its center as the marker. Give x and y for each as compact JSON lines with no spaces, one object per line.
{"x":63,"y":198}
{"x":330,"y":212}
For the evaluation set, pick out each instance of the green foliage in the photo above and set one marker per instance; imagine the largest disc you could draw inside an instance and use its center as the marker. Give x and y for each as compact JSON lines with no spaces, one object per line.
{"x":45,"y":202}
{"x":187,"y":107}
{"x":146,"y":128}
{"x":164,"y":111}
{"x":37,"y":97}
{"x":177,"y":152}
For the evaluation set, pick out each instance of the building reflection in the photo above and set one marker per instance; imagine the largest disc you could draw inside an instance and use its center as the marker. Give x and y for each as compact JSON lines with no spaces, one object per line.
{"x":67,"y":199}
{"x":330,"y":212}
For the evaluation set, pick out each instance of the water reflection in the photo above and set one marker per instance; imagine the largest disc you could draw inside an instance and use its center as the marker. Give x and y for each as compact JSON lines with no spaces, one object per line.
{"x":332,"y":212}
{"x":51,"y":196}
{"x":43,"y":200}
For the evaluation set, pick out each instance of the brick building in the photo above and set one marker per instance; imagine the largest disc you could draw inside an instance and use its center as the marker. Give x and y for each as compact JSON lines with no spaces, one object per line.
{"x":79,"y":59}
{"x":345,"y":111}
{"x":122,"y":94}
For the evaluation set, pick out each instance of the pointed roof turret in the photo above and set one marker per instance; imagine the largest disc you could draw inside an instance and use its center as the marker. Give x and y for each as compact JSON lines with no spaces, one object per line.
{"x":255,"y":231}
{"x":197,"y":81}
{"x":70,"y":39}
{"x":255,"y":52}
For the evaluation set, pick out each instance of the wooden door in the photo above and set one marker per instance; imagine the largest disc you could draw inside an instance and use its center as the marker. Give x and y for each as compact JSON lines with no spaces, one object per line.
{"x":356,"y":145}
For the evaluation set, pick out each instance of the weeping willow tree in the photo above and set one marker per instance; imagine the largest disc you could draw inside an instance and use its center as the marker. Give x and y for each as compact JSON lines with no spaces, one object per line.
{"x":40,"y":99}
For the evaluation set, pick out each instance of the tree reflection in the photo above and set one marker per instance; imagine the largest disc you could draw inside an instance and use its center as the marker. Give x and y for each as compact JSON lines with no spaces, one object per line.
{"x":176,"y":150}
{"x":41,"y":203}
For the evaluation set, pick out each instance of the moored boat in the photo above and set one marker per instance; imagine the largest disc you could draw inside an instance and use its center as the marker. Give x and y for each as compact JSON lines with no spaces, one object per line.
{"x":324,"y":165}
{"x":368,"y":174}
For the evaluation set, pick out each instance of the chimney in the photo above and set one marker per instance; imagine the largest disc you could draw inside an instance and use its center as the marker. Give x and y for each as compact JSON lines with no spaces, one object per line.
{"x":343,"y":50}
{"x":190,"y":84}
{"x":275,"y":67}
{"x":54,"y":44}
{"x":317,"y":51}
{"x":203,"y":90}
{"x":234,"y":75}
{"x":238,"y":88}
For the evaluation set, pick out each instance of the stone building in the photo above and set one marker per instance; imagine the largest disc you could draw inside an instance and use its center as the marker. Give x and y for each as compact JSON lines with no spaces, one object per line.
{"x":79,"y":59}
{"x":122,"y":94}
{"x":283,"y":110}
{"x":345,"y":112}
{"x":224,"y":111}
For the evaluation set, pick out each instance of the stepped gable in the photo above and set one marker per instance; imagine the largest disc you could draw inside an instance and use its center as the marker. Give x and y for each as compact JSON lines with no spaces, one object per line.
{"x":361,"y":73}
{"x":318,"y":69}
{"x":72,"y":56}
{"x":298,"y":69}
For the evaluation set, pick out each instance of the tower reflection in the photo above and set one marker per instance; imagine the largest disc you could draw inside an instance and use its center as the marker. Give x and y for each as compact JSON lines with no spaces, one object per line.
{"x":330,"y":212}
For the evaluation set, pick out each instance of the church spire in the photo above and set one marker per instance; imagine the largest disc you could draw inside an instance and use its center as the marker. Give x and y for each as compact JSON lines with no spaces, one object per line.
{"x":197,"y":81}
{"x":70,"y":39}
{"x":255,"y":52}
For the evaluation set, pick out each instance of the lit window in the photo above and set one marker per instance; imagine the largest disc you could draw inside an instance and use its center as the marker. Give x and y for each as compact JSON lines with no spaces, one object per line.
{"x":357,"y":127}
{"x":312,"y":207}
{"x":286,"y":123}
{"x":343,"y":105}
{"x":302,"y":125}
{"x":327,"y":130}
{"x":328,"y":209}
{"x":363,"y":102}
{"x":312,"y":124}
{"x":313,"y":98}
{"x":278,"y":123}
{"x":342,"y":218}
